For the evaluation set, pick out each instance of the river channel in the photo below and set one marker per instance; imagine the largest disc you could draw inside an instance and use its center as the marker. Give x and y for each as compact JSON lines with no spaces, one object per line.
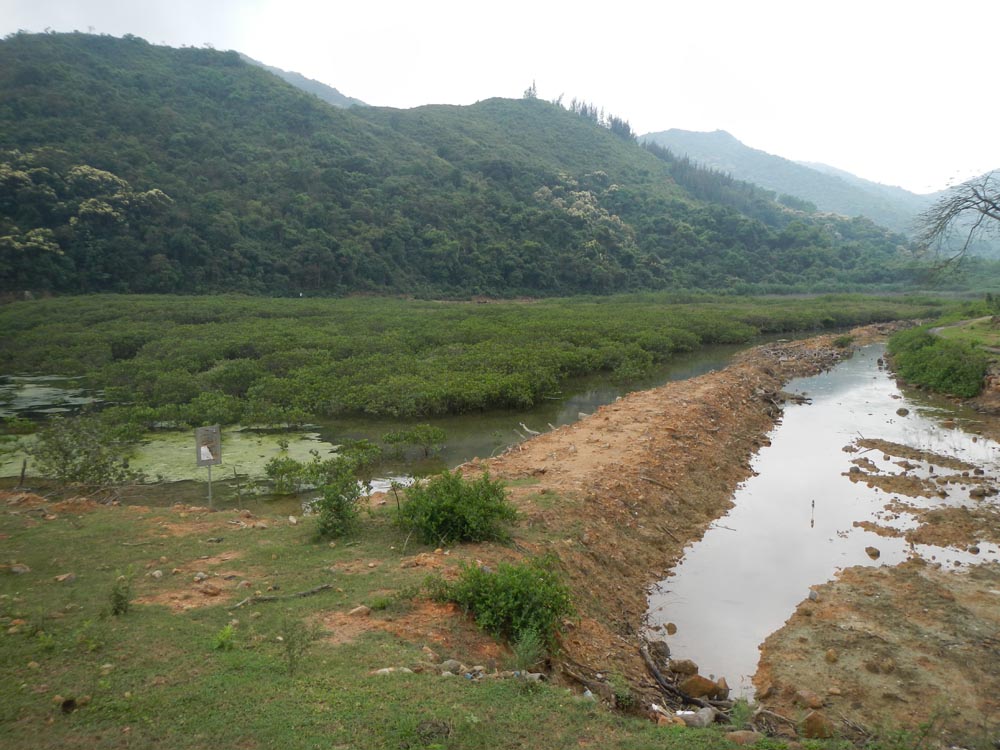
{"x":793,"y":524}
{"x":166,"y":458}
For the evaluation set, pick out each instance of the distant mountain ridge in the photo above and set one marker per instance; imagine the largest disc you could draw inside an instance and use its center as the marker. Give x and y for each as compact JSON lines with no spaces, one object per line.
{"x":327,"y":93}
{"x":132,"y":167}
{"x":828,"y":188}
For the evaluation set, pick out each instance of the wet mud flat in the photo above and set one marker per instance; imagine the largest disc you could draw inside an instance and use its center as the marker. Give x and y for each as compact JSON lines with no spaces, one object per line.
{"x":619,"y":496}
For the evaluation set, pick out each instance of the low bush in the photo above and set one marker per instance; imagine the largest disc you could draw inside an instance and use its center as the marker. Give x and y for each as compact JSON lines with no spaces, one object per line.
{"x":449,"y":509}
{"x":955,"y":368}
{"x":515,"y":602}
{"x":81,"y":450}
{"x":337,"y":508}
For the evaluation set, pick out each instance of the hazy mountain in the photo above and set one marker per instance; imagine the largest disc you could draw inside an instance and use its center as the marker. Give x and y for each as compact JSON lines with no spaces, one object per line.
{"x":328,"y":94}
{"x":828,"y":188}
{"x":126,"y":166}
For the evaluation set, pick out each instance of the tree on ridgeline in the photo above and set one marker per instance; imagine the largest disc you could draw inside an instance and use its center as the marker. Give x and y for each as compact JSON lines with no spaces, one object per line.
{"x":965,"y":213}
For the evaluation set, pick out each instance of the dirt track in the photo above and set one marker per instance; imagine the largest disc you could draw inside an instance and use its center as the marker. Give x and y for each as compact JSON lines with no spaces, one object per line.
{"x":625,"y":489}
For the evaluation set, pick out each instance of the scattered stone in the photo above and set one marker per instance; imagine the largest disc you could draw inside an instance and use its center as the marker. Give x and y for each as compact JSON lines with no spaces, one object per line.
{"x":215,"y":540}
{"x":19,"y":569}
{"x":723,"y":692}
{"x":199,"y":577}
{"x":902,"y":411}
{"x":703,"y":717}
{"x":210,"y":589}
{"x":973,"y":550}
{"x":873,"y":552}
{"x":33,"y":665}
{"x":431,"y":654}
{"x":808,"y":698}
{"x":360,"y":611}
{"x":831,"y":656}
{"x":156,"y":575}
{"x":66,"y":578}
{"x":293,"y":520}
{"x":243,"y":585}
{"x":816,"y":726}
{"x":660,"y":652}
{"x":698,"y":686}
{"x":670,"y":721}
{"x":683,"y":666}
{"x":671,"y":628}
{"x":744,"y":737}
{"x":451,"y":665}
{"x":393,"y":670}
{"x":835,"y":691}
{"x":813,"y":596}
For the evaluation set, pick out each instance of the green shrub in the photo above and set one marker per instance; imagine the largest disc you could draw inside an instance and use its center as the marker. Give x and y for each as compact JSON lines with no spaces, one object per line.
{"x":121,"y":594}
{"x":956,"y":368}
{"x":449,"y":509}
{"x":225,"y":639}
{"x":337,"y":508}
{"x":430,"y":439}
{"x":81,"y":450}
{"x":514,"y":600}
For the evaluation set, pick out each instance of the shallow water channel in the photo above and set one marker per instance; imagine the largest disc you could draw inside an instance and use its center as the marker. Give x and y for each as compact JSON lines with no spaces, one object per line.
{"x":792,"y":525}
{"x":166,"y":458}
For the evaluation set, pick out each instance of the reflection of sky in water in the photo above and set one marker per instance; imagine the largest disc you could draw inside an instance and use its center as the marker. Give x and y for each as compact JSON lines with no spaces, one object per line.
{"x":43,"y":394}
{"x":740,"y":583}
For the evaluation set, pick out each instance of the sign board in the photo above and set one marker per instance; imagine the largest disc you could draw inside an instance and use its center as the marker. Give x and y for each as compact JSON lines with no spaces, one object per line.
{"x":208,"y":445}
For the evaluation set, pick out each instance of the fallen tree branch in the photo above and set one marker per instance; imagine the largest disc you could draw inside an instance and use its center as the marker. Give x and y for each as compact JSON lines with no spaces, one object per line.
{"x":665,"y":685}
{"x":274,"y":598}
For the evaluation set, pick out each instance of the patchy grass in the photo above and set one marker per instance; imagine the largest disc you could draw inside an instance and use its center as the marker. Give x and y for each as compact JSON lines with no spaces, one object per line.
{"x":73,"y":675}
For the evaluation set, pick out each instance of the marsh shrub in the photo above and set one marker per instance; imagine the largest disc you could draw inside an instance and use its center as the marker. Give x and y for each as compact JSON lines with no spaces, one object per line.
{"x":952,"y":367}
{"x":337,"y":507}
{"x":514,"y":601}
{"x":81,"y":450}
{"x":449,"y":509}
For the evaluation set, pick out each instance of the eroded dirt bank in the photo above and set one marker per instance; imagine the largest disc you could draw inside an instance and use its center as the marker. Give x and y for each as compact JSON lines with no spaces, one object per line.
{"x":619,"y":494}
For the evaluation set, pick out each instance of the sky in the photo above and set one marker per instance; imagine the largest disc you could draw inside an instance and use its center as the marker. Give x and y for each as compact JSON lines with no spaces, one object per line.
{"x":902,"y":92}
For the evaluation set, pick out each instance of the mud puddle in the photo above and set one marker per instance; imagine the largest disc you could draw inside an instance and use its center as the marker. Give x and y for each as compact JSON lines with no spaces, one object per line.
{"x":824,"y":498}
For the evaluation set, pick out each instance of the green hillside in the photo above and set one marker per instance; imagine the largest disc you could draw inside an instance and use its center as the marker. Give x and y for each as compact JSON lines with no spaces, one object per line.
{"x":828,"y":189}
{"x":129,"y":167}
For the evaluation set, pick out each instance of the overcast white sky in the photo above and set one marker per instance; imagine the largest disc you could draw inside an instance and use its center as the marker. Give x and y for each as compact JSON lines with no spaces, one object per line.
{"x":902,"y":92}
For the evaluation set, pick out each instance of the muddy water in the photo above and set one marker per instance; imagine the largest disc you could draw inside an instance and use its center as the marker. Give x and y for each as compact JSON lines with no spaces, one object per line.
{"x":166,"y":458}
{"x":792,"y":525}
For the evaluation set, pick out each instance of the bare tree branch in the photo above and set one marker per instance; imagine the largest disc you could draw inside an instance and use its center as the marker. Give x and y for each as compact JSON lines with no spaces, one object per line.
{"x":964,"y":214}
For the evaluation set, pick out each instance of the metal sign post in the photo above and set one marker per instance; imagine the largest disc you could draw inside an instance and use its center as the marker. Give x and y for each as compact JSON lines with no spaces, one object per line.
{"x":208,"y":451}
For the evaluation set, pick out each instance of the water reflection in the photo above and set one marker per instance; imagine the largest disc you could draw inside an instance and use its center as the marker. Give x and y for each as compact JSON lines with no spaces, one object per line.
{"x":793,"y":523}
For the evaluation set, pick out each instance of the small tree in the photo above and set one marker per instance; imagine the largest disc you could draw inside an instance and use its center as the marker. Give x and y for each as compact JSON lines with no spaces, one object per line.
{"x":338,"y":506}
{"x":81,"y":450}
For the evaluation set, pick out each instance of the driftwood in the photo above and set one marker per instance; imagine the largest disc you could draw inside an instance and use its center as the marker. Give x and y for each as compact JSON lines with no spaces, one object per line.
{"x":274,"y":598}
{"x":600,"y":689}
{"x":668,"y":687}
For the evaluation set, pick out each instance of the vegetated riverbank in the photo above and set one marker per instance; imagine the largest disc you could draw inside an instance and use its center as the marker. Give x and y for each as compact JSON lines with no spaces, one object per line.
{"x":614,"y":498}
{"x":621,"y":493}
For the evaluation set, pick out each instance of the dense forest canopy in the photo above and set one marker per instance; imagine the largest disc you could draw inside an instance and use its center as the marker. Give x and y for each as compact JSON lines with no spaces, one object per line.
{"x":130,"y":167}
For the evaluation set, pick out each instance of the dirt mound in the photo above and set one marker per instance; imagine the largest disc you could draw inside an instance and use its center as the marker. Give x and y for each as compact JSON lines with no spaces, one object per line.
{"x":624,"y":490}
{"x":617,"y":496}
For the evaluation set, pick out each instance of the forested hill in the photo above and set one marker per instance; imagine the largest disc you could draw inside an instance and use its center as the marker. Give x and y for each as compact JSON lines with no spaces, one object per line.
{"x":827,"y":188}
{"x":132,"y":167}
